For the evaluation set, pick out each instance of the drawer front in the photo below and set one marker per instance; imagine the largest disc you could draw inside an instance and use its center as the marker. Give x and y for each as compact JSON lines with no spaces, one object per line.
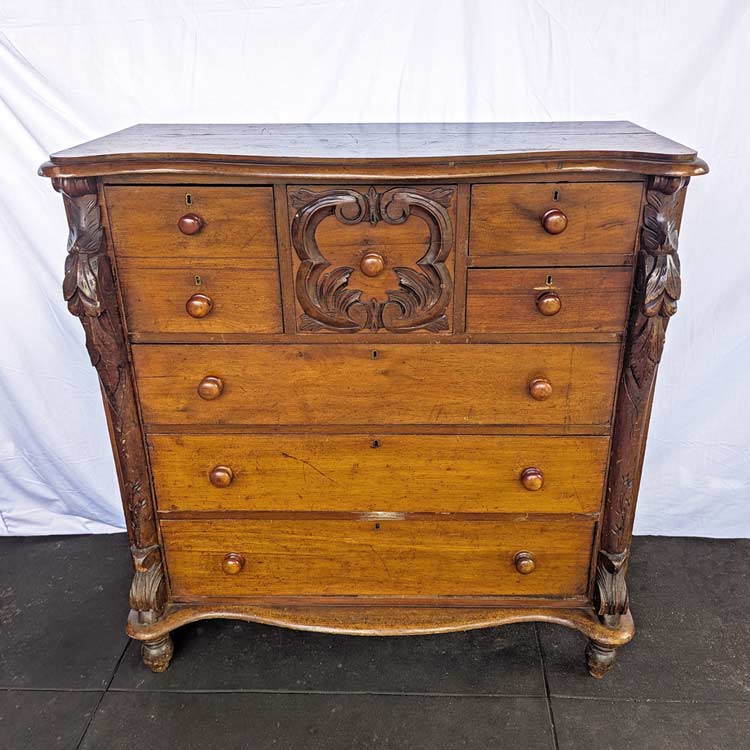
{"x":231,"y":222}
{"x":276,"y":557}
{"x":204,"y":297}
{"x":390,"y":473}
{"x":368,"y":260}
{"x":601,"y":217}
{"x":554,"y":300}
{"x":454,"y":384}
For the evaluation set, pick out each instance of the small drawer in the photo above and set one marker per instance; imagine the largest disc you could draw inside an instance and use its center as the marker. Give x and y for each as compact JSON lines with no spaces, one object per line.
{"x":303,"y":557}
{"x":390,"y":473}
{"x":553,"y":300}
{"x":204,"y":297}
{"x":192,"y":221}
{"x":393,"y":384}
{"x":555,"y":217}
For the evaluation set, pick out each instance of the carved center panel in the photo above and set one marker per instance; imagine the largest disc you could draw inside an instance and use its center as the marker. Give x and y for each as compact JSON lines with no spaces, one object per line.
{"x":373,"y":259}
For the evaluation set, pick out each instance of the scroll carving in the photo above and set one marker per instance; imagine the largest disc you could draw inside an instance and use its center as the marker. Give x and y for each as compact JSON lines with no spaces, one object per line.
{"x":655,"y":295}
{"x":89,"y":289}
{"x":423,"y":294}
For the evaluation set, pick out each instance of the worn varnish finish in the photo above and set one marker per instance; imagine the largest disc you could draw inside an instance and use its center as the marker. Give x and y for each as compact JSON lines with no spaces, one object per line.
{"x":377,"y":379}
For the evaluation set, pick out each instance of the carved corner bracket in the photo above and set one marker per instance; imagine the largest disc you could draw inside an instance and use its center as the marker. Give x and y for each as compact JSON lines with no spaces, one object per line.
{"x":655,"y":294}
{"x":90,"y":291}
{"x":423,"y":293}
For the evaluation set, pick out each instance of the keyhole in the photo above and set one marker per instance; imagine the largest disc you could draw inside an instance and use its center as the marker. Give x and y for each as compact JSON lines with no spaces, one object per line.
{"x":377,"y":526}
{"x":549,"y":280}
{"x":189,"y":199}
{"x":556,"y":195}
{"x":198,"y":280}
{"x":375,"y":354}
{"x":376,"y":443}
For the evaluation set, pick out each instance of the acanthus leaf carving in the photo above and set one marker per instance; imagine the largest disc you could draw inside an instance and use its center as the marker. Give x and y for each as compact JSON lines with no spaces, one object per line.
{"x":423,"y":293}
{"x":656,"y":292}
{"x":90,"y":291}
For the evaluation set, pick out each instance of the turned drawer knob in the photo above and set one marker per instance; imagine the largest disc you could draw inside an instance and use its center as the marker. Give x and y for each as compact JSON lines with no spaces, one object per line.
{"x":554,"y":221}
{"x":532,"y":479}
{"x":540,"y":389}
{"x":190,"y":224}
{"x":372,"y":264}
{"x":210,"y":387}
{"x":549,"y":303}
{"x":524,"y":562}
{"x":221,"y":476}
{"x":232,"y":563}
{"x":199,"y":305}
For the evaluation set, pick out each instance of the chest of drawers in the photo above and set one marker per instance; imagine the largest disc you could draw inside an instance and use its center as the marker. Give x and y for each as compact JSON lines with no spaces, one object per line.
{"x":377,"y":379}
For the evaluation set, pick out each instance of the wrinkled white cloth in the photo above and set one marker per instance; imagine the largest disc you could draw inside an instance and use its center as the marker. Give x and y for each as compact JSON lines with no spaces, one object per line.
{"x":72,"y":70}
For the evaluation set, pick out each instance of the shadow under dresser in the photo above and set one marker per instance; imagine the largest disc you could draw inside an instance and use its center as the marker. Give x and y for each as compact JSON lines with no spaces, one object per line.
{"x":377,"y":379}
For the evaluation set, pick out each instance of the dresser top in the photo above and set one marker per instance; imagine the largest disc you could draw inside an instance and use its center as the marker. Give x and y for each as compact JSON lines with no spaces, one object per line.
{"x":373,"y":143}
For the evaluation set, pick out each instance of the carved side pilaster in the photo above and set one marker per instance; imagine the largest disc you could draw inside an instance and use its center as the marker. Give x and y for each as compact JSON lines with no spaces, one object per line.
{"x":656,"y":291}
{"x":90,"y":291}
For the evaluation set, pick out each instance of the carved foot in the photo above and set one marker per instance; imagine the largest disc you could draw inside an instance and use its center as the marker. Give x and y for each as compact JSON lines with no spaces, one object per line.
{"x":157,"y":653}
{"x":599,"y":658}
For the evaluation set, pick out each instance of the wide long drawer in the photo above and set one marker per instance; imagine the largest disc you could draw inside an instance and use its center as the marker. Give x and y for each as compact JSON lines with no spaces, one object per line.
{"x":281,"y":557}
{"x":319,"y":384}
{"x":393,"y":473}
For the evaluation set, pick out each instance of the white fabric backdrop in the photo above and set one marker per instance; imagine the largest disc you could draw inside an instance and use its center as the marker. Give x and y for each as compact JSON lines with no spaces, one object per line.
{"x":74,"y":70}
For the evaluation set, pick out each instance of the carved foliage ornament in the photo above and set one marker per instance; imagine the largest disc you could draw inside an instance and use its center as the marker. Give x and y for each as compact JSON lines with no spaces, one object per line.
{"x":423,"y":294}
{"x":89,"y":289}
{"x":655,"y":295}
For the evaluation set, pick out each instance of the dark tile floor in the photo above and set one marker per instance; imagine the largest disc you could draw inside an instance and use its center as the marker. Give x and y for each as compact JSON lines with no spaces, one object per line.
{"x":69,"y":678}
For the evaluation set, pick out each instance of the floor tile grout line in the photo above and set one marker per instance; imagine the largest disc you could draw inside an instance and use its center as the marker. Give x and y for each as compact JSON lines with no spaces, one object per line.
{"x":384,"y":693}
{"x":707,"y":701}
{"x":101,"y":697}
{"x":7,"y":689}
{"x":550,"y":712}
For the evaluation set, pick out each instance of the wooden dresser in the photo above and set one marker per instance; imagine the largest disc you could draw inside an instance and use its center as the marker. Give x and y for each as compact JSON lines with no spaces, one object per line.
{"x":377,"y":379}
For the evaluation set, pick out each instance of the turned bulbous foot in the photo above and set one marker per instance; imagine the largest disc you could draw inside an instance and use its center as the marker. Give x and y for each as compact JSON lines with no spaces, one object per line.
{"x":599,"y":658}
{"x":157,"y":653}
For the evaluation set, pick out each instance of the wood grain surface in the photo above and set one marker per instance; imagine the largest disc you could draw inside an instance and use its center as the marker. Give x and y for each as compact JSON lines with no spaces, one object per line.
{"x":401,"y":558}
{"x":602,"y":217}
{"x":371,"y":472}
{"x":238,"y":222}
{"x":245,"y":295}
{"x":504,"y":300}
{"x":391,"y":384}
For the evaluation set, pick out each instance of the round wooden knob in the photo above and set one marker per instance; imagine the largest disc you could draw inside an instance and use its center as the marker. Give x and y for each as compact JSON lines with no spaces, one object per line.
{"x":232,"y":563}
{"x":372,"y":264}
{"x":199,"y":305}
{"x":190,"y":224}
{"x":524,"y":562}
{"x":549,"y":303}
{"x":210,"y":387}
{"x":221,"y":476}
{"x":540,"y":389}
{"x":554,"y":221}
{"x":532,"y":479}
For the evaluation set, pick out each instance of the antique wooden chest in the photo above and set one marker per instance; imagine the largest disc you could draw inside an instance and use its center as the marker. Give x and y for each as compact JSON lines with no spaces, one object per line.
{"x":377,"y":379}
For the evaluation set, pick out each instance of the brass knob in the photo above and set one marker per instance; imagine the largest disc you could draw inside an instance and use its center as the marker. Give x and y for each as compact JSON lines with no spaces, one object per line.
{"x":549,"y":303}
{"x":554,"y":221}
{"x":372,"y":264}
{"x":232,"y":563}
{"x":540,"y":389}
{"x":524,"y":562}
{"x":199,"y":305}
{"x":221,"y":476}
{"x":190,"y":224}
{"x":210,"y":387}
{"x":532,"y":479}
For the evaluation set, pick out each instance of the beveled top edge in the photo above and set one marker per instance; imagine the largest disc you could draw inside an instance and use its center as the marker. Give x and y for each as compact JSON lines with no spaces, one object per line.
{"x":374,"y":143}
